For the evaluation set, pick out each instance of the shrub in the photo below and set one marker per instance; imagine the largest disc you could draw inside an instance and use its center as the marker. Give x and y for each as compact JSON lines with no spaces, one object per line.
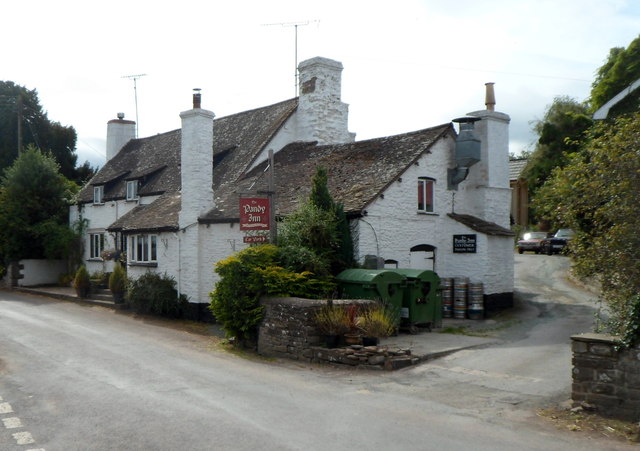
{"x":118,"y":282}
{"x":155,"y":294}
{"x":378,"y":321}
{"x":282,"y":282}
{"x":235,"y":299}
{"x":332,"y":320}
{"x":82,"y":282}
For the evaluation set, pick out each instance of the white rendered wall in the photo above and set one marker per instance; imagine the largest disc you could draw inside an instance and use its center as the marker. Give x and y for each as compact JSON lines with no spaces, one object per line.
{"x":398,"y":227}
{"x":99,"y":217}
{"x":41,"y":272}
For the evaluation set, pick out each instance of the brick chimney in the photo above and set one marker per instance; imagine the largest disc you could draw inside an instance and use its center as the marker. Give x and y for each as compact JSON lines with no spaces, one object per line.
{"x":196,"y":160}
{"x":322,"y":116}
{"x":119,"y":132}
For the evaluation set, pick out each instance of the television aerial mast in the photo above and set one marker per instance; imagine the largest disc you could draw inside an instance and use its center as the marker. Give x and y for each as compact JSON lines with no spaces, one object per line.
{"x":295,"y":26}
{"x":135,"y":93}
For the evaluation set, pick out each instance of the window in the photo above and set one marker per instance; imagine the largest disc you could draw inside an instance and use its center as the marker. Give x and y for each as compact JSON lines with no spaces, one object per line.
{"x":96,"y":245}
{"x":144,"y":249}
{"x":98,"y":195}
{"x":132,"y":190}
{"x":425,"y":194}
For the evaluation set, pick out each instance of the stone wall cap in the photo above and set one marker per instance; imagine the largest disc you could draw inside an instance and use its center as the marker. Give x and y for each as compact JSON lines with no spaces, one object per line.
{"x":598,"y":338}
{"x":310,"y":302}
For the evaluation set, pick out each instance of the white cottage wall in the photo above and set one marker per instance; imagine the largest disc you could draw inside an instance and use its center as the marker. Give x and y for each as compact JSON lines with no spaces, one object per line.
{"x":99,"y":217}
{"x":393,"y":224}
{"x":217,"y":242}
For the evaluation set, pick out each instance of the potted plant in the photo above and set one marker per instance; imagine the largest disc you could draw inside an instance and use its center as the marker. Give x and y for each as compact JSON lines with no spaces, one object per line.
{"x":354,"y":336}
{"x":118,"y":283}
{"x":82,"y":282}
{"x":332,"y":322}
{"x":379,"y":321}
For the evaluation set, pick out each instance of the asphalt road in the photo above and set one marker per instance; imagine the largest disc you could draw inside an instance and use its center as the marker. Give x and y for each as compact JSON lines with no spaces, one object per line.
{"x":87,"y":378}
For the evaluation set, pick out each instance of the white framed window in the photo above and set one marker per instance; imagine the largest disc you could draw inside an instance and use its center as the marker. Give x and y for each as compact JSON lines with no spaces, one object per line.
{"x":98,"y":195}
{"x":96,"y":245}
{"x":132,"y":190}
{"x":143,"y":248}
{"x":426,"y":188}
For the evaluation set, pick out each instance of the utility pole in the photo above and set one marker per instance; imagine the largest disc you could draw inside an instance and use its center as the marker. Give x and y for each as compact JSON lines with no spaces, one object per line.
{"x":295,"y":26}
{"x":135,"y":93}
{"x":273,"y":232}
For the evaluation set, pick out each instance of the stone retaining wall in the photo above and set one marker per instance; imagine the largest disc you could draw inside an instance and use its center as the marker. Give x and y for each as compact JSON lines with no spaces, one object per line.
{"x":288,"y":329}
{"x":605,"y":378}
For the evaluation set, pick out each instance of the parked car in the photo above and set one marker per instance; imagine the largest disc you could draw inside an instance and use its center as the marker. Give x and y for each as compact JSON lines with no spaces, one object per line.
{"x":557,"y":243}
{"x":531,"y":241}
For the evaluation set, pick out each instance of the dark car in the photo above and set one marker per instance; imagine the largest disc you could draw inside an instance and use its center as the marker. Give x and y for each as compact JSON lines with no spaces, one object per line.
{"x":557,"y":243}
{"x":531,"y":241}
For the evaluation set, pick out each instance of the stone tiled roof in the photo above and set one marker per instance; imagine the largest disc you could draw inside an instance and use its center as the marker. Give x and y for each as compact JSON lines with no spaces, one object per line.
{"x":357,"y":172}
{"x":480,"y":225}
{"x":155,"y":160}
{"x":516,"y":167}
{"x":161,"y":215}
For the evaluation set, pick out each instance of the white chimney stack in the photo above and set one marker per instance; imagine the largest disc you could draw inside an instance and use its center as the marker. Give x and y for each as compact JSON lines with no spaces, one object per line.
{"x":196,"y":159}
{"x":119,"y":132}
{"x":322,"y":116}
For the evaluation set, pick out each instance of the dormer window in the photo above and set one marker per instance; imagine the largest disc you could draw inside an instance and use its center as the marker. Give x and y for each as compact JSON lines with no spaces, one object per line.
{"x":132,"y":190}
{"x":98,"y":195}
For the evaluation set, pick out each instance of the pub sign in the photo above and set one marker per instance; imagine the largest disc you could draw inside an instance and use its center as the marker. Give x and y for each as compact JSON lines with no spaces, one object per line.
{"x":464,"y":244}
{"x":254,"y":213}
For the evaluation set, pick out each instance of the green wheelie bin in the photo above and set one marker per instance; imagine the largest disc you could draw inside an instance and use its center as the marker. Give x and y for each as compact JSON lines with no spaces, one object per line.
{"x":377,"y":284}
{"x":421,"y":302}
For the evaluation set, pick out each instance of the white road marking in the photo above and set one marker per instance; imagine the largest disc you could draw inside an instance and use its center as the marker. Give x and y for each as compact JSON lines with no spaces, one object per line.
{"x":11,"y":423}
{"x":23,"y":438}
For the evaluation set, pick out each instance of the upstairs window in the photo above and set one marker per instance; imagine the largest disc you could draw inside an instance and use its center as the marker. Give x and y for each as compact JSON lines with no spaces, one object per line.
{"x":96,"y":245}
{"x":144,"y":249}
{"x":425,"y":194}
{"x":132,"y":190}
{"x":98,"y":195}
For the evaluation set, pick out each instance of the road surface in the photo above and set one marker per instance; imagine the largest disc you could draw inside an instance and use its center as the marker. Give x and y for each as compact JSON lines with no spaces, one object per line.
{"x":86,"y":378}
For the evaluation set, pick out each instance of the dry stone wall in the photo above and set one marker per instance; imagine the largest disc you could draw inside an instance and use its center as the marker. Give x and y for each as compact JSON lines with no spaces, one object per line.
{"x":288,"y":331}
{"x":606,"y":378}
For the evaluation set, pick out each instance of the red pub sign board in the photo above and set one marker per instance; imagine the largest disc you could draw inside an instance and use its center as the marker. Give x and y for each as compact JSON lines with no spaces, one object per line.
{"x":254,"y":213}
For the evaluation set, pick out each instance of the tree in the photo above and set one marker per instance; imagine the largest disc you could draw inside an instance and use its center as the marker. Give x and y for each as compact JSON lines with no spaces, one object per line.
{"x":620,"y":70}
{"x":560,"y":133}
{"x":317,"y":236}
{"x":34,"y":199}
{"x":596,"y":194}
{"x":20,"y":110}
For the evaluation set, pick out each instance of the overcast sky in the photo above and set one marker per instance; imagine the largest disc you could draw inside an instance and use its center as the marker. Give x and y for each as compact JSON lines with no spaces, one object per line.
{"x":408,"y":64}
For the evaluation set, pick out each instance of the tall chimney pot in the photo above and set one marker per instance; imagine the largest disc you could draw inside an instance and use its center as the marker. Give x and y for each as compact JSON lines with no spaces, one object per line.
{"x":490,"y":98}
{"x":197,"y":98}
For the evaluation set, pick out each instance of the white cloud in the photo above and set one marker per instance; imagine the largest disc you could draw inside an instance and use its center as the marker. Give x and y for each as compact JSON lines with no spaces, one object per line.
{"x":408,"y":64}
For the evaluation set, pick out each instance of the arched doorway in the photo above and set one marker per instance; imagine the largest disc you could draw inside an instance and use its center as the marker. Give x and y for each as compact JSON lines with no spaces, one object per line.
{"x":423,"y":256}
